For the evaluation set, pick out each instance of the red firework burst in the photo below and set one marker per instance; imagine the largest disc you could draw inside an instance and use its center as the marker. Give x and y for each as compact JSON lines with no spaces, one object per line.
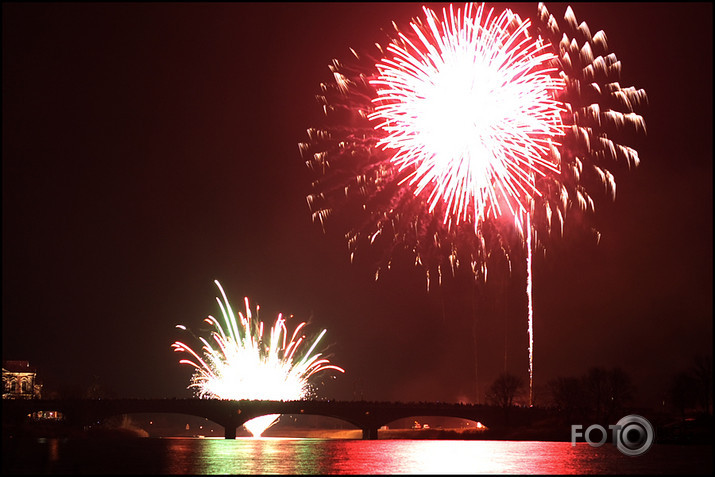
{"x":469,"y":109}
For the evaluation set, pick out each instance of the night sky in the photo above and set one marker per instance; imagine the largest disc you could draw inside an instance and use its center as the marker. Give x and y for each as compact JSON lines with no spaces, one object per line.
{"x":150,"y":149}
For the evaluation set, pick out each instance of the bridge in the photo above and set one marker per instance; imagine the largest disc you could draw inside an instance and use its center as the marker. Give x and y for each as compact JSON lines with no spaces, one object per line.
{"x":366,"y":415}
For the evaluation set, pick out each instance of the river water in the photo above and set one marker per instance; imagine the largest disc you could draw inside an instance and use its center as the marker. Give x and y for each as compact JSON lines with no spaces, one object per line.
{"x":340,"y":456}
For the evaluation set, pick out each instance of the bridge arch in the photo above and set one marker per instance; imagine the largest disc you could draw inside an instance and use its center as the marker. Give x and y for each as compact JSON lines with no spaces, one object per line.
{"x":484,"y":420}
{"x":433,"y":421}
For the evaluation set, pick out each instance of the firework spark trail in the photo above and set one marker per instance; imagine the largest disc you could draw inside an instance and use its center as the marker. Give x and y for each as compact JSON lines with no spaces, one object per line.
{"x":466,"y":129}
{"x":530,"y":308}
{"x":242,"y":364}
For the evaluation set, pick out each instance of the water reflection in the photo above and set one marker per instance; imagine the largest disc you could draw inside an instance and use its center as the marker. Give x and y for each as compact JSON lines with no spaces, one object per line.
{"x":325,"y":456}
{"x":268,"y":455}
{"x":246,"y":456}
{"x":456,"y":457}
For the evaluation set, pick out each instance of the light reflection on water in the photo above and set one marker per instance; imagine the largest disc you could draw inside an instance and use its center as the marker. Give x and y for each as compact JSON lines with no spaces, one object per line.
{"x":268,"y":455}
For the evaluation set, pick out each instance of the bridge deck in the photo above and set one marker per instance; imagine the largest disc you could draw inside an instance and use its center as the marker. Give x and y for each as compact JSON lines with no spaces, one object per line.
{"x":366,"y":415}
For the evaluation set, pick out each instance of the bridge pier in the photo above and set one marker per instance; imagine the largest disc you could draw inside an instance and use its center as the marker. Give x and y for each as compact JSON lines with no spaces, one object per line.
{"x":229,"y":431}
{"x":369,"y":433}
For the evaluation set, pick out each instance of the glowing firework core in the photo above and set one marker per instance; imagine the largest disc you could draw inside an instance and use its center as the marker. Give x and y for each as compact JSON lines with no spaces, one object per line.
{"x":469,"y":109}
{"x":243,"y":364}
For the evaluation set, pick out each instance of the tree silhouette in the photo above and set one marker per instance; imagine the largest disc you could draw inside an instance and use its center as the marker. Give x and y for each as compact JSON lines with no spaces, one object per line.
{"x":620,"y":393}
{"x":702,"y":373}
{"x":595,"y":384}
{"x":681,"y":392}
{"x":568,"y":397}
{"x":600,"y":395}
{"x":502,"y":391}
{"x":692,"y":388}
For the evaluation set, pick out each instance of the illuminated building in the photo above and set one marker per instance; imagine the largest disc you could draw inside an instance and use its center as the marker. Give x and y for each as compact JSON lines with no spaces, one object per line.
{"x":19,"y":381}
